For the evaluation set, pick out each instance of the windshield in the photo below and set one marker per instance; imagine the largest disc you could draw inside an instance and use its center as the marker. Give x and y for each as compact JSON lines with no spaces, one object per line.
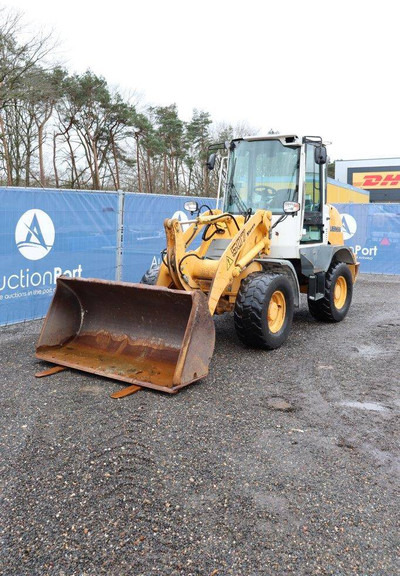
{"x":263,"y":174}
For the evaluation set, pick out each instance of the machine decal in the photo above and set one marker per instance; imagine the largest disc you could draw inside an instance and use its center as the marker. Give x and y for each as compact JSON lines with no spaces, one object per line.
{"x":251,"y":230}
{"x":238,"y":243}
{"x":229,"y":262}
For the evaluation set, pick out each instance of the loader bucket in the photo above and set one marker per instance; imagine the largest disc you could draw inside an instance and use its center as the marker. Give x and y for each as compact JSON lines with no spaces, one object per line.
{"x":145,"y":335}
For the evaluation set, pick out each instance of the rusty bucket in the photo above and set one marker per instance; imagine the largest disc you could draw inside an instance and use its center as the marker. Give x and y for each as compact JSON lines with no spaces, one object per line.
{"x":145,"y":335}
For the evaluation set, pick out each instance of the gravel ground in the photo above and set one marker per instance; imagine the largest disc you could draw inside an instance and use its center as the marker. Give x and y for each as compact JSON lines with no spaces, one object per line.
{"x":278,"y":463}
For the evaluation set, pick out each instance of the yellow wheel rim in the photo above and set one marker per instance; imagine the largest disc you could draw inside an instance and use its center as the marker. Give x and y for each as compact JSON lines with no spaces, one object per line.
{"x":340,"y":293}
{"x":276,"y":311}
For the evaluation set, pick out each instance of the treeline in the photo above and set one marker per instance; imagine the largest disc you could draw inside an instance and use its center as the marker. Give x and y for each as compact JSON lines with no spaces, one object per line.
{"x":75,"y":131}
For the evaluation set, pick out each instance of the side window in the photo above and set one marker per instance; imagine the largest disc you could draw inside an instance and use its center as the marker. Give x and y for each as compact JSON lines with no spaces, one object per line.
{"x":312,"y":225}
{"x":313,"y":184}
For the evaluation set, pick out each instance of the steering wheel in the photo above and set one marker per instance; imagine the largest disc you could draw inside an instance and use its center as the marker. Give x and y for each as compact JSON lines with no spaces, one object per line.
{"x":269,"y":194}
{"x":265,"y":189}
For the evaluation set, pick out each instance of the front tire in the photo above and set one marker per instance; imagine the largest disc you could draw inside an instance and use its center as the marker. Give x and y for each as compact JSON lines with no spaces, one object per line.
{"x":264,"y":310}
{"x":338,"y":293}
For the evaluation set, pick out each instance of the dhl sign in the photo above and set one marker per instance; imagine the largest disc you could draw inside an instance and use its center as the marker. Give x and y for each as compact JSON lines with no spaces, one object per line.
{"x":376,"y":180}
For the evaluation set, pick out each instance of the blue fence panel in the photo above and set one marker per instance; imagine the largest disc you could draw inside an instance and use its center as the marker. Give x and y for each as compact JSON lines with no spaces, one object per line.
{"x":373,"y":232}
{"x":46,"y":233}
{"x":144,"y":234}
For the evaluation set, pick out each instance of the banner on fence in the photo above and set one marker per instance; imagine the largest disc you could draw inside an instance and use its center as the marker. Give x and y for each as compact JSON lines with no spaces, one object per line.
{"x":144,"y":234}
{"x":373,"y":232}
{"x":47,"y":233}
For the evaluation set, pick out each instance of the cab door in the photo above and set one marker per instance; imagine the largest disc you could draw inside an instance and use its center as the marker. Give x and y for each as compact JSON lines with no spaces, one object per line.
{"x":314,"y":195}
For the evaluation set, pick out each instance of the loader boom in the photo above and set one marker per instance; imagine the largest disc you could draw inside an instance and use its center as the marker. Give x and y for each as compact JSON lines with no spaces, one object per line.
{"x":243,"y":241}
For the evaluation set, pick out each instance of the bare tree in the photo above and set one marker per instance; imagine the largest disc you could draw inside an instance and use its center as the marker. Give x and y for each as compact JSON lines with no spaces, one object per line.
{"x":89,"y":134}
{"x":16,"y":59}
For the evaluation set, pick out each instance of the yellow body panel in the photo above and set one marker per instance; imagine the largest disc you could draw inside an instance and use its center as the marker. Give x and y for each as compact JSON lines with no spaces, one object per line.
{"x":219,"y":278}
{"x":340,"y":194}
{"x":335,"y":235}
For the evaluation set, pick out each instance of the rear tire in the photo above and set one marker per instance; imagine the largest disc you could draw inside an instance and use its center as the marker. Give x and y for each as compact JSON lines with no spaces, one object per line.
{"x":150,"y":277}
{"x":335,"y":304}
{"x":264,"y":310}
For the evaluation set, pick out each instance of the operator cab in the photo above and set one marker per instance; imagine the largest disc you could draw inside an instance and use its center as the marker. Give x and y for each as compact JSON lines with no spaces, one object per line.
{"x":263,"y":174}
{"x":269,"y":172}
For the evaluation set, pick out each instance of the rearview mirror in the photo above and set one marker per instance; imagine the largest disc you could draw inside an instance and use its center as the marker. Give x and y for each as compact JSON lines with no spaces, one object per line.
{"x":320,"y":155}
{"x":211,"y":161}
{"x":291,"y":207}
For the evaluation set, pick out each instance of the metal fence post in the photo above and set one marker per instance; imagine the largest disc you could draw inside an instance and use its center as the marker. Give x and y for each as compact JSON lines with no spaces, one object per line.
{"x":120,"y":235}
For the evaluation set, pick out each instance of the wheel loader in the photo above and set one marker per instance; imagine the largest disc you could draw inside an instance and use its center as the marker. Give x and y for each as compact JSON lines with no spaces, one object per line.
{"x":271,"y":238}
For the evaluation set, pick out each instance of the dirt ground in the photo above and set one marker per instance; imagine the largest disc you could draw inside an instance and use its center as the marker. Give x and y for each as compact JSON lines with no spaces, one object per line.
{"x":277,"y":463}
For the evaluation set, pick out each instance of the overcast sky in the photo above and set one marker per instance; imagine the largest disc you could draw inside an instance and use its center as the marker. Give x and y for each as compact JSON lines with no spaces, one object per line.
{"x":327,"y":68}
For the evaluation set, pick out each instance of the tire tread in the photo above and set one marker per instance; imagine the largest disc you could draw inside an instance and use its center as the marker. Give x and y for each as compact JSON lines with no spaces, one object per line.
{"x":323,"y":309}
{"x":249,"y":309}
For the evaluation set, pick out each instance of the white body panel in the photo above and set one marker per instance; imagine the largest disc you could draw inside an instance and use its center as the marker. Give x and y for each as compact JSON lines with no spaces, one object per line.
{"x":285,"y":238}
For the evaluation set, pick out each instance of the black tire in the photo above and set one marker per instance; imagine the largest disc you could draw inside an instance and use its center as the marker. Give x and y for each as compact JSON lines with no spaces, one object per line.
{"x":335,"y":304}
{"x":150,"y":277}
{"x":264,"y":310}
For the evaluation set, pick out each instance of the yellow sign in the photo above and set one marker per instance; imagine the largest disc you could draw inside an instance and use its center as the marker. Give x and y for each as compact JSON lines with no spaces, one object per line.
{"x":377,"y":180}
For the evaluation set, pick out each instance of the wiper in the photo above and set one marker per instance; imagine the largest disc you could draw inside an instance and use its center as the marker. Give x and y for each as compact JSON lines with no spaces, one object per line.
{"x":294,"y":194}
{"x":234,"y":196}
{"x":233,"y":193}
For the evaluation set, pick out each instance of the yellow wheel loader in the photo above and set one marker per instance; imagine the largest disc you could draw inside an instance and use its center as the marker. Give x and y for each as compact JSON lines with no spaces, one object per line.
{"x":272,"y":238}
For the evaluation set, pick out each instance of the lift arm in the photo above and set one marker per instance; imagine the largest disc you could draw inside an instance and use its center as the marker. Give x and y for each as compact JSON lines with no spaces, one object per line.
{"x":247,"y":240}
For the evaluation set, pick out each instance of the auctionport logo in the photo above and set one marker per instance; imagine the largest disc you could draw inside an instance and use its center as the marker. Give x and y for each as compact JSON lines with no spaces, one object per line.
{"x":182,"y":217}
{"x":349,"y":226}
{"x":34,"y":234}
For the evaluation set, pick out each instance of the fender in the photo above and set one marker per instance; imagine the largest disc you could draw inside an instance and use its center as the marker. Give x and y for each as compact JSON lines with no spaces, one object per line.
{"x":279,"y":266}
{"x":315,"y":259}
